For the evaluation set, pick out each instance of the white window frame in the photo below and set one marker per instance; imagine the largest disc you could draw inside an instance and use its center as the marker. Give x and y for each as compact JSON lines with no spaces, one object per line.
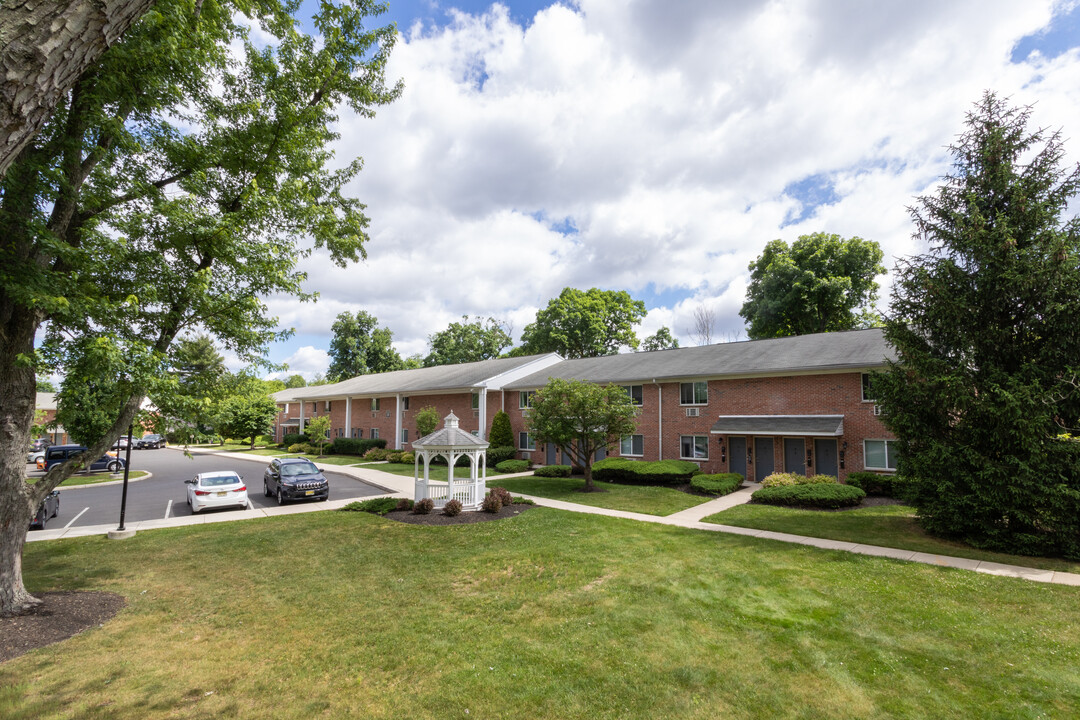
{"x":864,"y":384}
{"x":405,"y":435}
{"x":525,"y":399}
{"x":476,"y":401}
{"x":889,"y":454}
{"x":405,"y":403}
{"x":374,"y":434}
{"x":286,"y":408}
{"x":530,"y":443}
{"x":695,"y":438}
{"x":628,"y":441}
{"x":376,"y":404}
{"x":641,"y":394}
{"x":693,"y":392}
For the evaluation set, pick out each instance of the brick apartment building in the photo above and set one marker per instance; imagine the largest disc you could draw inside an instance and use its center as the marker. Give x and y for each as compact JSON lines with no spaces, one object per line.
{"x":45,"y":402}
{"x":797,"y":404}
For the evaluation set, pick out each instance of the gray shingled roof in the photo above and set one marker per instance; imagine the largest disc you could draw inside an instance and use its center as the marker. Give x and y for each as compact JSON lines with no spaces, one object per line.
{"x":819,"y":425}
{"x":450,"y":436}
{"x":853,"y":349}
{"x":442,"y":377}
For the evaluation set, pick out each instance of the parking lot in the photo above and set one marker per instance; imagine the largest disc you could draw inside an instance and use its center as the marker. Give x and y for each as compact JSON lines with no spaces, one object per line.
{"x":164,"y":495}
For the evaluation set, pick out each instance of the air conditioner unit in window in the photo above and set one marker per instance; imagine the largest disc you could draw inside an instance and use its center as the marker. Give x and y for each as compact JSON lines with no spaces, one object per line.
{"x":877,"y":409}
{"x":476,"y":413}
{"x":693,"y":412}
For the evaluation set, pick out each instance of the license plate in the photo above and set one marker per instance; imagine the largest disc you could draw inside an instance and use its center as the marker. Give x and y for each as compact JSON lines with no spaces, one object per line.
{"x":222,"y":494}
{"x":310,"y":492}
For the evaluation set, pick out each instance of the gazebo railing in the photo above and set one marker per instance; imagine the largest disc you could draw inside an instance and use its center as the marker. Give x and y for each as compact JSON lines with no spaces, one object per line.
{"x":468,"y":493}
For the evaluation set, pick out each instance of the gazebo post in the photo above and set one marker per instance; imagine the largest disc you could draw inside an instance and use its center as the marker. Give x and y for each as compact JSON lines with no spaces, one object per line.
{"x":451,"y":442}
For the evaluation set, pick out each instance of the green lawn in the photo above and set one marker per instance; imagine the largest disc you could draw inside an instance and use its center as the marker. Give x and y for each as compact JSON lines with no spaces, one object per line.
{"x":548,"y":615}
{"x":888,"y":525}
{"x":632,"y":498}
{"x":435,"y":472}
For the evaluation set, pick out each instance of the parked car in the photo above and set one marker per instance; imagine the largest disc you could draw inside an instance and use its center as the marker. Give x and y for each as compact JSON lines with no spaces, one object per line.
{"x":294,"y":479}
{"x":49,"y":508}
{"x":122,"y":443}
{"x":40,"y":444}
{"x":34,"y":455}
{"x":60,"y":453}
{"x":150,"y":442}
{"x":216,"y":490}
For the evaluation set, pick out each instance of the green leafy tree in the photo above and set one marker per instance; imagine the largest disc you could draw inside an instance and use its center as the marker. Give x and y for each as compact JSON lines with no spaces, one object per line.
{"x":361,"y":347}
{"x":427,"y":419}
{"x":169,"y":192}
{"x":585,"y":324}
{"x":502,"y":433}
{"x":295,"y":381}
{"x":821,"y":283}
{"x":247,"y":412}
{"x":662,"y":340}
{"x":190,"y":396}
{"x":985,"y":390}
{"x":317,"y":428}
{"x":467,"y":341}
{"x":45,"y":386}
{"x":581,"y":418}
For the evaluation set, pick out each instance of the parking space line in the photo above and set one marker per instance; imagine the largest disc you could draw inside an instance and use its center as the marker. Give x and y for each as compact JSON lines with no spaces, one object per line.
{"x":250,"y":506}
{"x":76,"y":518}
{"x":168,"y":509}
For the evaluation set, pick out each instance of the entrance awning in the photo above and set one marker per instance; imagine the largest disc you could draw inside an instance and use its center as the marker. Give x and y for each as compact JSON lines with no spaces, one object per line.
{"x":801,"y":425}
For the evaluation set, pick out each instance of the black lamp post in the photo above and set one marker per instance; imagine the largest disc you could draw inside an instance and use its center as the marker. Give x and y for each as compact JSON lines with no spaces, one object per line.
{"x":120,"y":531}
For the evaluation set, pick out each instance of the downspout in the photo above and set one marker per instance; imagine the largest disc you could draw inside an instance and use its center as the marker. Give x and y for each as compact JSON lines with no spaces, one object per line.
{"x":659,"y":418}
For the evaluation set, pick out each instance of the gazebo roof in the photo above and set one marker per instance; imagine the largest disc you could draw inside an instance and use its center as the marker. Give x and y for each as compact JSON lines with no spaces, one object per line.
{"x":450,"y":437}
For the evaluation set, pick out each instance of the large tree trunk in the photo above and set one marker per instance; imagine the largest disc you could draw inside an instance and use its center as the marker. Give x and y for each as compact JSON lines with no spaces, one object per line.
{"x":45,"y":46}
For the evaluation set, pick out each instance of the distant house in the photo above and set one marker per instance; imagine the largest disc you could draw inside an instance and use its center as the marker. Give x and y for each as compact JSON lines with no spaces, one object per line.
{"x":46,"y":403}
{"x":798,"y":404}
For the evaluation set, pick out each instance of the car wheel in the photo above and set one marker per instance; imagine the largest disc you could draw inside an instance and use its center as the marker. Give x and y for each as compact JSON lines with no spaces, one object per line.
{"x":280,"y":499}
{"x":114,"y":467}
{"x":266,"y":489}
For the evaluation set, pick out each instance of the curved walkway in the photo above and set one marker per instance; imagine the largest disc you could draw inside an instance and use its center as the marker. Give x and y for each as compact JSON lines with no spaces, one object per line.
{"x":401,"y":486}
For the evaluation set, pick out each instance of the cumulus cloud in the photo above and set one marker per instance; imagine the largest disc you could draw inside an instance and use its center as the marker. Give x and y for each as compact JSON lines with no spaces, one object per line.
{"x":656,"y":146}
{"x":307,"y":361}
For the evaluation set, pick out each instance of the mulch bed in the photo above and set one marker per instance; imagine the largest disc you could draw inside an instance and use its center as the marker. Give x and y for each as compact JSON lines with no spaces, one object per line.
{"x":436,"y":517}
{"x":60,"y":615}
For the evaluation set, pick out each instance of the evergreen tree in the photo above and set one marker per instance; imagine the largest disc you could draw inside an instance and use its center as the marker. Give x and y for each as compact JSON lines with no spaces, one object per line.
{"x":984,"y":395}
{"x":502,"y":434}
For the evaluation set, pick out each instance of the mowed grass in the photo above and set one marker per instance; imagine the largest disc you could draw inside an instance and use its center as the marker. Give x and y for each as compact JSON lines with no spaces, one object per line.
{"x":435,"y":472}
{"x":888,"y":525}
{"x":632,"y":498}
{"x":547,"y":615}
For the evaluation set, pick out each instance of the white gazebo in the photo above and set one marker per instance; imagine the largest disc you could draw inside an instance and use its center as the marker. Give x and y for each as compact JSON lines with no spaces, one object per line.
{"x":451,"y":442}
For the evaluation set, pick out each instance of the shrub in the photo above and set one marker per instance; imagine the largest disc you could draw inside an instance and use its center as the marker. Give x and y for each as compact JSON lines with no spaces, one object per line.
{"x":635,"y":472}
{"x":452,"y":507}
{"x":308,"y":448}
{"x":876,"y":484}
{"x":821,"y":495}
{"x":523,"y":501}
{"x":423,"y":506}
{"x":821,"y":480}
{"x":502,"y":434}
{"x":377,"y":506}
{"x":357,"y":446}
{"x":720,"y":484}
{"x":492,"y":503}
{"x":512,"y":466}
{"x":296,"y":448}
{"x":789,"y":479}
{"x":503,"y":494}
{"x":375,"y":454}
{"x":394,"y":456}
{"x":404,"y":504}
{"x":559,"y":471}
{"x":496,"y":455}
{"x":293,"y":439}
{"x":408,"y":458}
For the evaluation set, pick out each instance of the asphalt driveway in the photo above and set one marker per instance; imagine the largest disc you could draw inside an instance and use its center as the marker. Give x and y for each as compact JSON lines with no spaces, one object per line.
{"x":164,"y":495}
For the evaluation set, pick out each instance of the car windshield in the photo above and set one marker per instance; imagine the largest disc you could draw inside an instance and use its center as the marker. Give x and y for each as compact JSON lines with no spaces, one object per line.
{"x":220,"y":480}
{"x":305,"y":468}
{"x":151,"y":437}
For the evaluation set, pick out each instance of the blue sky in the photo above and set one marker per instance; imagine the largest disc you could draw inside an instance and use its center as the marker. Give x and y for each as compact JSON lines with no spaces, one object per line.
{"x":657,"y":146}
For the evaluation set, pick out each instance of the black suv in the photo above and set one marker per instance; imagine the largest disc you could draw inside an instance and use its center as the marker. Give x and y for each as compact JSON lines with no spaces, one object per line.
{"x":49,"y":508}
{"x":294,"y":479}
{"x":150,"y":442}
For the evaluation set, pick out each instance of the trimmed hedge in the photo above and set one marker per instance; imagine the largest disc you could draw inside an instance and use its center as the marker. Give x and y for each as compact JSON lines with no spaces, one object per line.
{"x":788,"y":479}
{"x":636,"y":472}
{"x":293,"y":439}
{"x":557,"y":471}
{"x":355,"y":446}
{"x":496,"y":455}
{"x":821,"y":495}
{"x":377,"y":506}
{"x":873,"y":483}
{"x":512,"y":466}
{"x":719,"y":484}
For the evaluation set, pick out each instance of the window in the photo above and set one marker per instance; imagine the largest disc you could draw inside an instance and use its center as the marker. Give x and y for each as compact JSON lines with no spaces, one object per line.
{"x":693,"y":393}
{"x":694,"y":447}
{"x":475,"y":432}
{"x":525,"y":398}
{"x":634,"y":391}
{"x":526,"y":442}
{"x":375,"y":403}
{"x":404,"y":435}
{"x":286,"y":408}
{"x":328,"y":406}
{"x":374,"y":433}
{"x":879,"y":454}
{"x":868,"y":394}
{"x":404,"y":403}
{"x":632,"y":444}
{"x":358,"y":432}
{"x":476,"y":401}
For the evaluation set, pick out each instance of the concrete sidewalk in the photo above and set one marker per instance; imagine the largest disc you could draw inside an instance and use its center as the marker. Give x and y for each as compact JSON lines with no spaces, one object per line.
{"x":402,"y":486}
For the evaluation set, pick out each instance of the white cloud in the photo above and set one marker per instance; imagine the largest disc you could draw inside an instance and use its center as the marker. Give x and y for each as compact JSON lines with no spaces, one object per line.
{"x":666,"y":134}
{"x":307,"y":361}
